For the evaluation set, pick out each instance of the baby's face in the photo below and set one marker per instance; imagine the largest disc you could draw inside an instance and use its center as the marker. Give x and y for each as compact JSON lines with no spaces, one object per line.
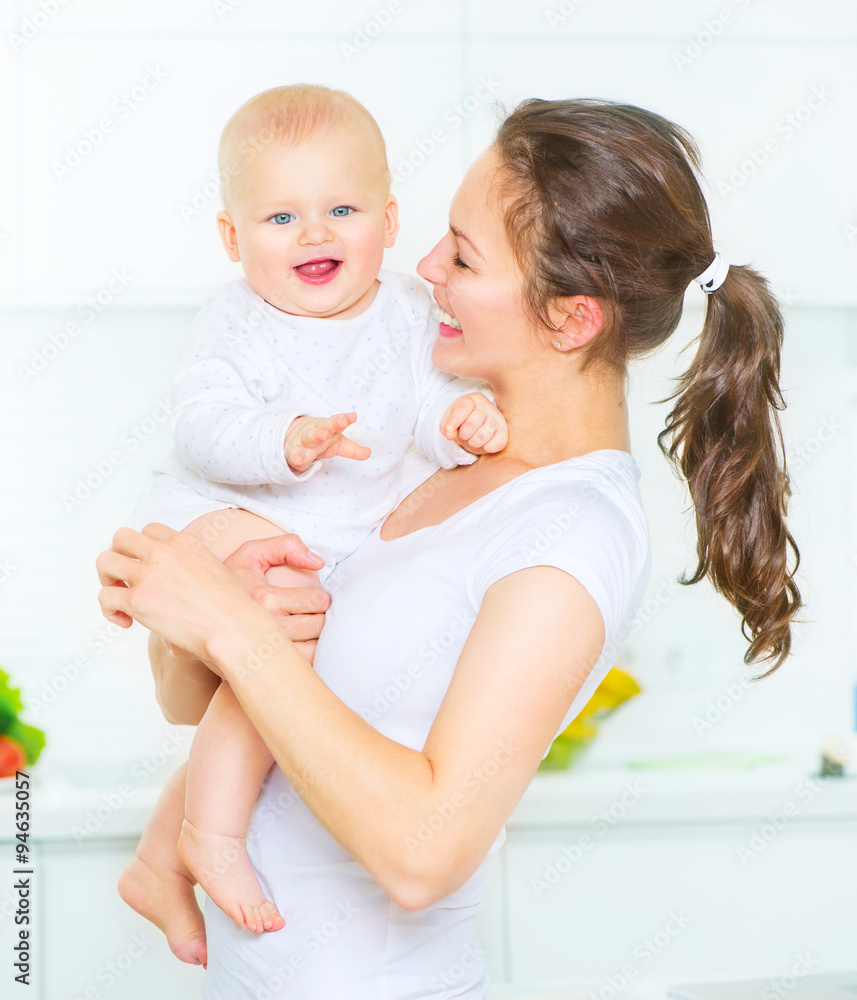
{"x":309,"y":224}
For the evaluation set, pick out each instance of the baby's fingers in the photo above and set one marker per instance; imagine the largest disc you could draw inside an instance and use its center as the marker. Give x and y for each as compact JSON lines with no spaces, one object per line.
{"x":476,"y":429}
{"x":322,"y":429}
{"x":346,"y":448}
{"x":497,"y":440}
{"x":456,"y":415}
{"x":314,"y":439}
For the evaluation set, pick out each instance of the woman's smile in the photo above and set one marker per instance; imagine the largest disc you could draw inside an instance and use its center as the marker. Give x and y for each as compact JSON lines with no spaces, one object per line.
{"x":449,"y":325}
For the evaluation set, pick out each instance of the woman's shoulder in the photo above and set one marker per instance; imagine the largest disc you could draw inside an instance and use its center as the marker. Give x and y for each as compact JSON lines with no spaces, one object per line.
{"x":584,"y":516}
{"x":599,"y":478}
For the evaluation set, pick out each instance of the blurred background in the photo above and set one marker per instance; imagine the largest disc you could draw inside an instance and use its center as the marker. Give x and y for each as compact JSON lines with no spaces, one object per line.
{"x":110,"y":112}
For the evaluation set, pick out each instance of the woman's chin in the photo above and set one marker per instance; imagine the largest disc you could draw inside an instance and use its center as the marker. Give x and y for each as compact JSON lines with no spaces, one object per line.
{"x":448,"y":356}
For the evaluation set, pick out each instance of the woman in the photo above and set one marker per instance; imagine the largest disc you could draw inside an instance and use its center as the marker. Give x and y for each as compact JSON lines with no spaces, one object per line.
{"x":475,"y":624}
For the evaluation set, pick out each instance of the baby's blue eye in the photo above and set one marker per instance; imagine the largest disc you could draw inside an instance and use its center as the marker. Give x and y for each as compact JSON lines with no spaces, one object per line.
{"x":282,"y":218}
{"x":341,"y":211}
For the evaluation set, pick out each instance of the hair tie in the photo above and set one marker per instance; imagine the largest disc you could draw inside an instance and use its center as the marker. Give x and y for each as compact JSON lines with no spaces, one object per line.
{"x":714,"y":275}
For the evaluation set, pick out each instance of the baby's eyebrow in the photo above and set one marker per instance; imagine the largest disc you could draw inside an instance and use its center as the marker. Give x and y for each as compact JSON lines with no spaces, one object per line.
{"x":460,"y":235}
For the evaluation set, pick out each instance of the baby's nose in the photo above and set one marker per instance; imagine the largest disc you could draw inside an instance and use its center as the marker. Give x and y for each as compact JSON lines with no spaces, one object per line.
{"x":316,"y":231}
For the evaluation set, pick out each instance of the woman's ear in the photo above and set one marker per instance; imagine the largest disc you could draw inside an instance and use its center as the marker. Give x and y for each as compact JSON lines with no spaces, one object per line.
{"x":228,"y":236}
{"x":577,"y":320}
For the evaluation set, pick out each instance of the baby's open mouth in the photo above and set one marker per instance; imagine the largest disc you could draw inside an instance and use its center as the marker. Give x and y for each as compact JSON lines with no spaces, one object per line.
{"x":319,"y":270}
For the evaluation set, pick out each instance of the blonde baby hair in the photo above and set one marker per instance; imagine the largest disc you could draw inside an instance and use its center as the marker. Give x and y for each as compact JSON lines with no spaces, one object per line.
{"x":289,"y":115}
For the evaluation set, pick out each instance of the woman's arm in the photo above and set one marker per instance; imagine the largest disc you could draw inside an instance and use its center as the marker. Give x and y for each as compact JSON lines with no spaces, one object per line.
{"x":420,"y":821}
{"x":184,"y":684}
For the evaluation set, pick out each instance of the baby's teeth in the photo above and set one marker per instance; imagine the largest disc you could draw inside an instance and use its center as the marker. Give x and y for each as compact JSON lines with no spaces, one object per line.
{"x":444,"y":317}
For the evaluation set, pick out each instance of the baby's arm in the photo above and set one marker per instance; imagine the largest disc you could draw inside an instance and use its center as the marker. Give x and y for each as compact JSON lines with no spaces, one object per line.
{"x":225,"y":429}
{"x":225,"y":424}
{"x":456,"y":422}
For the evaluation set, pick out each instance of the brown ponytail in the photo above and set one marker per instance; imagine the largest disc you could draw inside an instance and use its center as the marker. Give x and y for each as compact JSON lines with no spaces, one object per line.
{"x":724,"y":434}
{"x":602,"y":199}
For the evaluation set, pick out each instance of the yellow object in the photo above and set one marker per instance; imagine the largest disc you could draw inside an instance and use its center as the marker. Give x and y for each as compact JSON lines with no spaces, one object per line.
{"x":617,"y":687}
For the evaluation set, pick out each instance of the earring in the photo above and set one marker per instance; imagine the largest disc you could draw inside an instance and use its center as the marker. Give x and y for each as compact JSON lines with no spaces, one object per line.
{"x":557,"y":345}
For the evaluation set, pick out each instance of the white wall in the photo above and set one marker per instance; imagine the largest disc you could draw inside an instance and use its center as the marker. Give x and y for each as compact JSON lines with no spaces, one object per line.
{"x":122,"y":210}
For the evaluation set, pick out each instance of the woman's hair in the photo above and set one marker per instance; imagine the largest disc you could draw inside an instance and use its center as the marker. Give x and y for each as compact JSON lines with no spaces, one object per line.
{"x":603,"y":200}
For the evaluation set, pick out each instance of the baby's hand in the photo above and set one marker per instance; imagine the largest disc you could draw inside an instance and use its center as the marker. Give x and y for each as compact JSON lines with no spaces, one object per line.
{"x":311,"y":438}
{"x":476,"y":424}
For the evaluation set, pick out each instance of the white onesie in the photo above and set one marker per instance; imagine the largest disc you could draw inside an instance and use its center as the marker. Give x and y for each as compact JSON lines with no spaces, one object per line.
{"x":249,"y":369}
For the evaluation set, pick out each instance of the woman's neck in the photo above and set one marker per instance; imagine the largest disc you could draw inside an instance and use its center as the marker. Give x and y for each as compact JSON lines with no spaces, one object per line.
{"x":562,"y":418}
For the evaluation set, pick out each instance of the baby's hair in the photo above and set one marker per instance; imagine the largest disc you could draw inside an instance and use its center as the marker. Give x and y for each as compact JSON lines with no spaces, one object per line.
{"x":287,"y":116}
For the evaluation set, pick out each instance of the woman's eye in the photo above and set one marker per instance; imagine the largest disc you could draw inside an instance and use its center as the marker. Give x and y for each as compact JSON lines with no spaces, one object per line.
{"x":459,"y":263}
{"x":281,"y":218}
{"x":341,"y":211}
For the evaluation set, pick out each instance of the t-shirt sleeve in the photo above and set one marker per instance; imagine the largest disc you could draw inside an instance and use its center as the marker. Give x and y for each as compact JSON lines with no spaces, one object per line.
{"x":598,"y":539}
{"x":583,"y":531}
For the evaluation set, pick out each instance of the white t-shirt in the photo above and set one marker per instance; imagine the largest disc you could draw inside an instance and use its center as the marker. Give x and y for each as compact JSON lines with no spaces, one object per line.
{"x":400,"y":613}
{"x":248,"y":369}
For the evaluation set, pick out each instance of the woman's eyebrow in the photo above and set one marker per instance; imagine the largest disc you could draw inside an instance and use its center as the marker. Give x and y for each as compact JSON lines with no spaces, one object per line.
{"x":460,"y":235}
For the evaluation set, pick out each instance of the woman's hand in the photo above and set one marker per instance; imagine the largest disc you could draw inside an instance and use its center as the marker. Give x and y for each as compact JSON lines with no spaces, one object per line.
{"x":173,"y":584}
{"x":299,"y":611}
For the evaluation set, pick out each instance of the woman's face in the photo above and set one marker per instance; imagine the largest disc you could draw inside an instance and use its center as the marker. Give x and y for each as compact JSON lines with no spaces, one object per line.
{"x":487,"y":330}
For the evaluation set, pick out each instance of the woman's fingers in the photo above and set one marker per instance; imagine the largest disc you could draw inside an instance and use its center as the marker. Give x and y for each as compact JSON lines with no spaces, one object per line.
{"x":260,"y":554}
{"x":113,"y":567}
{"x":120,"y":567}
{"x":138,"y":544}
{"x":300,"y":628}
{"x":114,"y":600}
{"x":171,"y":582}
{"x":113,"y":570}
{"x":299,"y":611}
{"x":307,"y":650}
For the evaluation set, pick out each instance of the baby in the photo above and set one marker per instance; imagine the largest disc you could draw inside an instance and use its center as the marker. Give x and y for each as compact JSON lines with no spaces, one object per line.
{"x":278,"y":367}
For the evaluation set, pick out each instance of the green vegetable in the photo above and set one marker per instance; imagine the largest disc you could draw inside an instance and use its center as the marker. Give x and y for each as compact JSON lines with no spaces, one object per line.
{"x":7,"y":717}
{"x":10,"y":698}
{"x":30,"y":738}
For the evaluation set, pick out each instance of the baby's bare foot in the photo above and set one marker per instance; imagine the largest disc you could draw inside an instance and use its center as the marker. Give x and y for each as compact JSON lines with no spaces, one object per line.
{"x":221,"y":866}
{"x":167,"y":899}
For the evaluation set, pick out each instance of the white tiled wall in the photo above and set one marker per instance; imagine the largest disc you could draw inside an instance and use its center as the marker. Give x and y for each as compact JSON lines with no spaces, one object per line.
{"x":678,"y":20}
{"x":435,"y":66}
{"x":121,"y":204}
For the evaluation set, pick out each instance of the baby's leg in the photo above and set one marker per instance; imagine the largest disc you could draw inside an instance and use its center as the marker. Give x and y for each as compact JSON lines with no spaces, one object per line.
{"x":229,"y":760}
{"x":224,"y":780}
{"x":223,"y":531}
{"x":156,"y":883}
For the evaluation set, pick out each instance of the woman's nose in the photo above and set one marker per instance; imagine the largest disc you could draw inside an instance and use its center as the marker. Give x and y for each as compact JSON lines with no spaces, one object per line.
{"x":431,"y":267}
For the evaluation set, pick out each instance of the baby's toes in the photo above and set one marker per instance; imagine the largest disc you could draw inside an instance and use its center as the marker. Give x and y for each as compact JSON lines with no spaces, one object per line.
{"x":247,"y":917}
{"x":270,"y":917}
